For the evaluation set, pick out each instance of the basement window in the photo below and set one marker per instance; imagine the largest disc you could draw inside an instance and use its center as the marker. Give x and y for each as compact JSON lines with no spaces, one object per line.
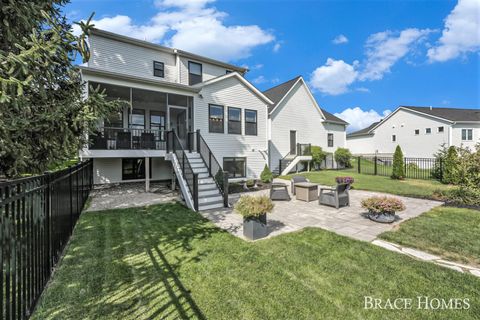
{"x":236,"y":167}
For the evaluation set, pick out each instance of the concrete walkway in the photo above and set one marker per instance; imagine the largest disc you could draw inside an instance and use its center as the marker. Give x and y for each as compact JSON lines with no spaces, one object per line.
{"x":294,"y":215}
{"x":424,"y":256}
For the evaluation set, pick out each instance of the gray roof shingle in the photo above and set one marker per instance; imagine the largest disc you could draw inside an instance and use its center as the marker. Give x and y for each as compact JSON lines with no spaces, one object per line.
{"x":277,"y":93}
{"x":451,"y":114}
{"x":363,"y":131}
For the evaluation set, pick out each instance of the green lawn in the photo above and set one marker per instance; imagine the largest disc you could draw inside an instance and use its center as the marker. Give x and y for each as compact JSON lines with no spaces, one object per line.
{"x":452,"y":233}
{"x":407,"y":187}
{"x":166,"y":261}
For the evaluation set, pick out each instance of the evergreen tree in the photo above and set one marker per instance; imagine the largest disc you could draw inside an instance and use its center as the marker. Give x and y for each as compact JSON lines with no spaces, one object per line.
{"x":44,"y":117}
{"x":450,"y":167}
{"x":266,"y":176}
{"x":398,"y":170}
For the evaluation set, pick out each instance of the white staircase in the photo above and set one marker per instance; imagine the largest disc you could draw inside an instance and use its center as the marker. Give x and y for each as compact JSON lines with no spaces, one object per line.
{"x":293,"y":162}
{"x":209,"y":196}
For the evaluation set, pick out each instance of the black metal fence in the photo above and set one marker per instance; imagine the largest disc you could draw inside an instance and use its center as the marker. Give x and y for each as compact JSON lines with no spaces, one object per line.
{"x":37,"y":217}
{"x":415,"y":168}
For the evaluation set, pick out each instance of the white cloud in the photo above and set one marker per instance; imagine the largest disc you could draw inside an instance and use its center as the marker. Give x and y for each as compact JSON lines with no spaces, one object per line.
{"x":384,"y":49}
{"x":461,"y":33}
{"x":362,"y":89}
{"x":359,"y":118}
{"x":334,"y":77}
{"x":276,"y":47}
{"x":259,"y":80}
{"x":192,"y":25}
{"x":340,"y":39}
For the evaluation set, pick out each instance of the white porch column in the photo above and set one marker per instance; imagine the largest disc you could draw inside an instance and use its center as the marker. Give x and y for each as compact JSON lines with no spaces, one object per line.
{"x":147,"y":176}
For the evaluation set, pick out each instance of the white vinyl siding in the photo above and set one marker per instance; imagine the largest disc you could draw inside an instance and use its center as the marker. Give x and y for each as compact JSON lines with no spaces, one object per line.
{"x":298,"y":112}
{"x":121,"y":57}
{"x":231,"y":92}
{"x":209,"y":71}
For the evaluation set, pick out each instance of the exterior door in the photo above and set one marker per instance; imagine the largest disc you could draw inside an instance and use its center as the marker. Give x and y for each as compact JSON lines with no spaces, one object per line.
{"x":293,"y":142}
{"x":178,"y":122}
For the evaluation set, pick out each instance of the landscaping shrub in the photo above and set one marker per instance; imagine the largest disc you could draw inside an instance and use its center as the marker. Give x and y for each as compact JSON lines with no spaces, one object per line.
{"x":398,"y":170}
{"x":440,"y":157}
{"x":343,"y":157}
{"x":383,"y":205}
{"x":318,"y":155}
{"x":348,"y":180}
{"x":412,"y":166}
{"x":266,"y":176}
{"x":450,"y":173}
{"x":253,"y":206}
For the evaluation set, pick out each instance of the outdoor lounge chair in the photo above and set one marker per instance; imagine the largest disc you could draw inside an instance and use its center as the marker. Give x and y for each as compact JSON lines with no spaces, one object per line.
{"x":297,"y":179}
{"x":124,"y":140}
{"x":335,"y":197}
{"x":279,"y":191}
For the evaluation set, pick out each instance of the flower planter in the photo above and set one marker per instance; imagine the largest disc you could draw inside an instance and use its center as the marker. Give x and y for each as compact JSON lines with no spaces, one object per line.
{"x":255,"y":228}
{"x":384,"y":217}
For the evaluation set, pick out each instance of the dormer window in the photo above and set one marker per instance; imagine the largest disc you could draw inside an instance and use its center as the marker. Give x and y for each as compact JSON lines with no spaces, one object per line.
{"x":194,"y":73}
{"x":158,"y":69}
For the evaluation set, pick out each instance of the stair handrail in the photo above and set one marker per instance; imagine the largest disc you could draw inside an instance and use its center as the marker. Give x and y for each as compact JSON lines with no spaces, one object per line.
{"x":174,"y":145}
{"x":212,"y":163}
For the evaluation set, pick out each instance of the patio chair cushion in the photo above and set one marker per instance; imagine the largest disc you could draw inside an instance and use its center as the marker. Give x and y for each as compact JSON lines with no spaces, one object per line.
{"x":297,"y":179}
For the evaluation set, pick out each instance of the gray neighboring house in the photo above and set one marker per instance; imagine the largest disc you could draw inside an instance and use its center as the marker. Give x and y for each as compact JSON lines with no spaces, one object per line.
{"x":420,"y":131}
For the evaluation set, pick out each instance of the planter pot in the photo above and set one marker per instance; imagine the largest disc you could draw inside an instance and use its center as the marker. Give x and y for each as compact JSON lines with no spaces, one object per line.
{"x":384,"y":217}
{"x":255,"y":228}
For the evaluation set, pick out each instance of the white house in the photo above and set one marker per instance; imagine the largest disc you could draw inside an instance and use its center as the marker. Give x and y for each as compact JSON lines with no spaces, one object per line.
{"x":419,"y":131}
{"x":296,"y":121}
{"x":190,"y":117}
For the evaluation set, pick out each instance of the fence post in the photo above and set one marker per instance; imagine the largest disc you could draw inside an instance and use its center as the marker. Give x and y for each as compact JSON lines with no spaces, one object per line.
{"x":375,"y":165}
{"x":358,"y":164}
{"x":70,"y":187}
{"x":48,"y":210}
{"x":441,"y":169}
{"x":279,"y":167}
{"x":225,"y":189}
{"x":195,"y":191}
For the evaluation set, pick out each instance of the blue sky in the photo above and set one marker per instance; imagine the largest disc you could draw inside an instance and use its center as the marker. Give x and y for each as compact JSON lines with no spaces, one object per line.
{"x":360,"y":58}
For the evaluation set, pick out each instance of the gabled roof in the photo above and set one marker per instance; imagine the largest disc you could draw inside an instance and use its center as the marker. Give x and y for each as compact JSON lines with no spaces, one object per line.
{"x":331,"y":118}
{"x":277,"y":93}
{"x":451,"y":114}
{"x":241,"y":79}
{"x":364,"y":131}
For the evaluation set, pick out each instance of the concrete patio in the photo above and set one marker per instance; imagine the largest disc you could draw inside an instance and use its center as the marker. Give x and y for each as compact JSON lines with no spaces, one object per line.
{"x":293,"y":215}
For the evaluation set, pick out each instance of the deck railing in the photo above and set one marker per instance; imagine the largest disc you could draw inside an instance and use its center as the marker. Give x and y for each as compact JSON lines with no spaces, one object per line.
{"x":37,"y":217}
{"x":108,"y":138}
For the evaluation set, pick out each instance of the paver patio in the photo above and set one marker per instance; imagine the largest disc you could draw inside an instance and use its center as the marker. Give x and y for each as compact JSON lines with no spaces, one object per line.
{"x":293,"y":215}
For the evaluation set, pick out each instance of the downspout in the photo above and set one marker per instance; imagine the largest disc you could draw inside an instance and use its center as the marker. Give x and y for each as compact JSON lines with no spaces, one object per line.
{"x":177,"y":63}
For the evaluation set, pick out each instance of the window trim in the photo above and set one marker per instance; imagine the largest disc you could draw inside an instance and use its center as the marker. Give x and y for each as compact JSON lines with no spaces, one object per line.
{"x":441,"y":127}
{"x":223,"y":118}
{"x":239,"y":121}
{"x":189,"y":73}
{"x":130,"y":119}
{"x":467,"y":130}
{"x":416,"y":132}
{"x":394,"y":138}
{"x":426,"y":132}
{"x":332,"y":140}
{"x":162,"y":70}
{"x":234,"y":161}
{"x":256,"y":122}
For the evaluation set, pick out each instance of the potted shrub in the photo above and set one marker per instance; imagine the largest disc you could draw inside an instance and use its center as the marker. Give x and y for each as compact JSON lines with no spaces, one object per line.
{"x":254,"y":211}
{"x":382,"y":209}
{"x":347,"y":180}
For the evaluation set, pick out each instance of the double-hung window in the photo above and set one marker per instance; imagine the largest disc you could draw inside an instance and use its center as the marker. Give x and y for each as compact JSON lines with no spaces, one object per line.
{"x":330,"y":139}
{"x":250,"y":122}
{"x":467,"y":134}
{"x":234,"y":120}
{"x":194,"y":73}
{"x":215,"y":118}
{"x":158,"y":69}
{"x":236,"y":167}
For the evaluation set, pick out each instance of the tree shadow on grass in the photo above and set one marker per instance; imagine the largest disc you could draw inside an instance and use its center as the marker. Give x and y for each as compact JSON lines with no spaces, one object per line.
{"x":126,"y":264}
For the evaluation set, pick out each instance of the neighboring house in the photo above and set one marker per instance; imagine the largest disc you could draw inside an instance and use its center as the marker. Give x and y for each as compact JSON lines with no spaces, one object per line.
{"x":296,"y":121}
{"x":170,"y":89}
{"x":419,"y":131}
